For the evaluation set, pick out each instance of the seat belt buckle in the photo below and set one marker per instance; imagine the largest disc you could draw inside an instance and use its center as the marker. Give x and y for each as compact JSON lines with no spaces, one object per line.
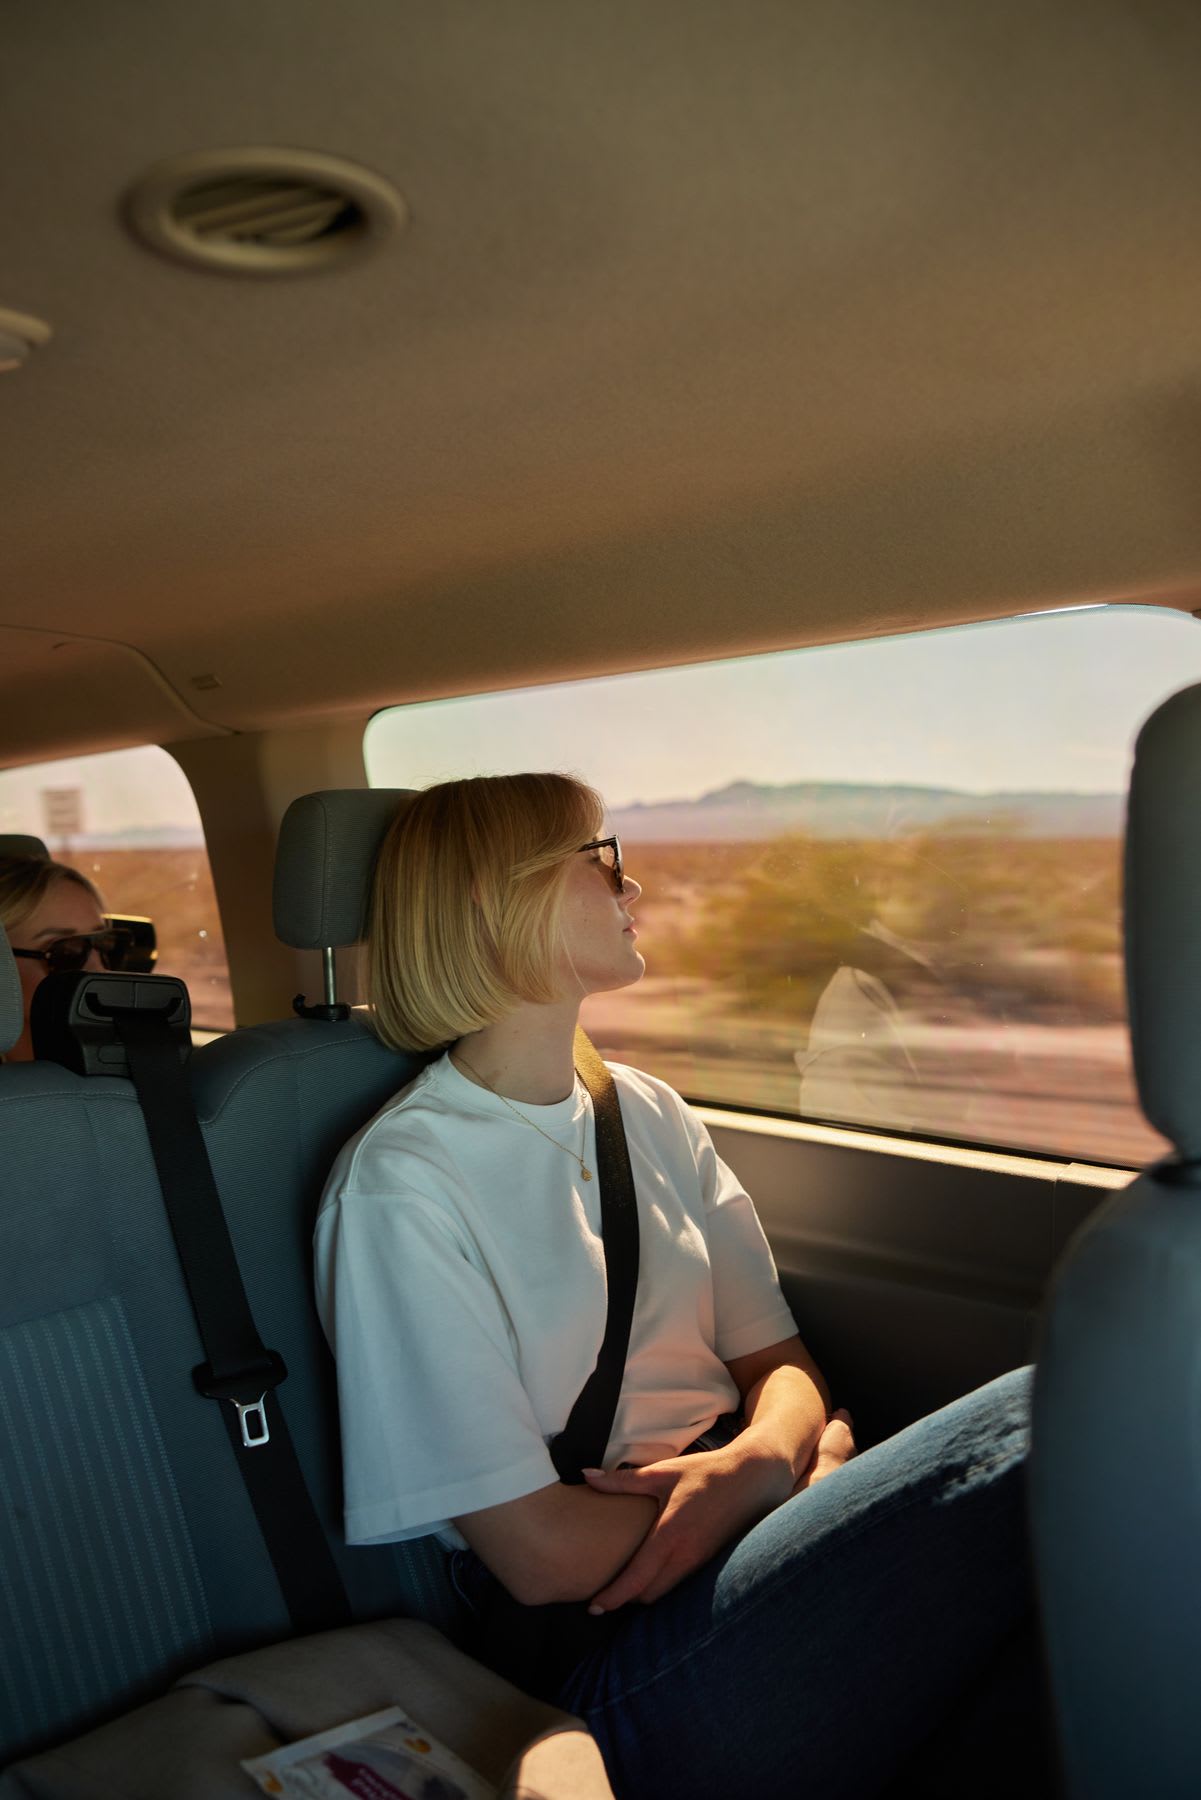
{"x":252,"y":1417}
{"x":246,"y":1390}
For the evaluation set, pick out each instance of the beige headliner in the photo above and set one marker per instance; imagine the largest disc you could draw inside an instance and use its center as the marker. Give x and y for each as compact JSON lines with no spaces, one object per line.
{"x":718,"y":327}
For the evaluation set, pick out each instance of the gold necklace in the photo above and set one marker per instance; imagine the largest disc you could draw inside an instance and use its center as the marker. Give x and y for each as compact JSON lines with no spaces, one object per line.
{"x":526,"y":1120}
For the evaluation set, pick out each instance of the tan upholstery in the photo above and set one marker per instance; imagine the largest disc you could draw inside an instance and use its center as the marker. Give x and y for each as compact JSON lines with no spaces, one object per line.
{"x":190,"y":1743}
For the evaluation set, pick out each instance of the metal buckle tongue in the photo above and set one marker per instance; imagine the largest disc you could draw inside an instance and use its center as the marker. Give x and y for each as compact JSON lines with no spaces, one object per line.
{"x":253,"y":1420}
{"x":252,"y":1414}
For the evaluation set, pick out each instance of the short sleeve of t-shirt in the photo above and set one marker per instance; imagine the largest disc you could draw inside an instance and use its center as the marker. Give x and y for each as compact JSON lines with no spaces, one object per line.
{"x":750,"y":1312}
{"x":446,"y":1427}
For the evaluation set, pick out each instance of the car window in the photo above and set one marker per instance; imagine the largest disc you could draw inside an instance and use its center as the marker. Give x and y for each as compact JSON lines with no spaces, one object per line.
{"x":882,"y":879}
{"x":127,"y":820}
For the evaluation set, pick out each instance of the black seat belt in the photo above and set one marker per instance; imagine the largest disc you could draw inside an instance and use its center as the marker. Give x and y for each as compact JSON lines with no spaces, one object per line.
{"x":536,"y":1645}
{"x":240,"y":1369}
{"x":584,"y":1439}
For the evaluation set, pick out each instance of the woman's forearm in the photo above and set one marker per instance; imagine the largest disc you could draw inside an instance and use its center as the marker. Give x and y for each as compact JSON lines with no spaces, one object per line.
{"x":786,"y":1414}
{"x":708,"y":1499}
{"x":560,"y":1543}
{"x":567,"y":1543}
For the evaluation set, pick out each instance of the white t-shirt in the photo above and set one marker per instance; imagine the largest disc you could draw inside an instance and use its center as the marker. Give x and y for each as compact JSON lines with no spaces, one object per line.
{"x":461,"y":1283}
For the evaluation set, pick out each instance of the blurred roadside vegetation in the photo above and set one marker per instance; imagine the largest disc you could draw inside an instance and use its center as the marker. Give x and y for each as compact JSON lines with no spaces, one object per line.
{"x":953,"y":922}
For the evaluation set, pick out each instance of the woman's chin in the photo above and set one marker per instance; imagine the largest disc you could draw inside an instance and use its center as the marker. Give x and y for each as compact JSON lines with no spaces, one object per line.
{"x":611,"y":981}
{"x":635,"y":973}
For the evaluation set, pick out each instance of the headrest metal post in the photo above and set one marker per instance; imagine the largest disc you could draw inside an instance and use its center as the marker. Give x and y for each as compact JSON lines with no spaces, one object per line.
{"x":331,"y":1008}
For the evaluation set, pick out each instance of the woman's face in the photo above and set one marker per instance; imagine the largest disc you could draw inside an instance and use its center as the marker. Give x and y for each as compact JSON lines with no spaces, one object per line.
{"x":66,"y":908}
{"x":599,"y":940}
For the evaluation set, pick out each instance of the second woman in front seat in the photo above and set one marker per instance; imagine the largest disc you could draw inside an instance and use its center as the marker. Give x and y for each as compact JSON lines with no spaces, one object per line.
{"x":54,"y":919}
{"x":761,"y":1614}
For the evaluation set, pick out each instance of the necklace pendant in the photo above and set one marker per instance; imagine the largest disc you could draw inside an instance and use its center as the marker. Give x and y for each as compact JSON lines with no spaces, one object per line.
{"x":586,"y":1173}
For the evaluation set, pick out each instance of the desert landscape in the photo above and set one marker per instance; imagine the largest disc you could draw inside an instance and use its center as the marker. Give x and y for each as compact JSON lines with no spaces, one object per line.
{"x":986,"y":1005}
{"x":983,"y":970}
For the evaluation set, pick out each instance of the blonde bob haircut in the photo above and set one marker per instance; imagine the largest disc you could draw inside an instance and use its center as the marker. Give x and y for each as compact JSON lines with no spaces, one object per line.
{"x":466,"y":905}
{"x":26,"y":880}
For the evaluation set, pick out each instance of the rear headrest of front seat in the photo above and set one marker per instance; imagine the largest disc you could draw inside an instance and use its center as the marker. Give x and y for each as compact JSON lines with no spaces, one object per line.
{"x":1163,"y":919}
{"x":12,"y":1001}
{"x":20,"y":843}
{"x":328,"y":846}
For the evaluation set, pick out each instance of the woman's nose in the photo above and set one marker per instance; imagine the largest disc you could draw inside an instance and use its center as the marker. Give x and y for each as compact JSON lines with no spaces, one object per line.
{"x":93,"y":963}
{"x":630,"y":890}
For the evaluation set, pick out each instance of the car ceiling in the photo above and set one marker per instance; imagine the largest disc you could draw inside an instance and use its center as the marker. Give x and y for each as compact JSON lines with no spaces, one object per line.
{"x":715,"y":328}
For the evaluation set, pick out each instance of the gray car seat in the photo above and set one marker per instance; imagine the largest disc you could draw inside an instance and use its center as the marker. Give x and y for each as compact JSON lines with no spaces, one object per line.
{"x":128,"y":1548}
{"x":12,"y":1001}
{"x":1116,"y":1466}
{"x":126,"y":1552}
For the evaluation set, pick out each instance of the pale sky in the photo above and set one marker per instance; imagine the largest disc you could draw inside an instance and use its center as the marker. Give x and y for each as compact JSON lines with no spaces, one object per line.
{"x":1043,"y":703}
{"x":122,"y":790}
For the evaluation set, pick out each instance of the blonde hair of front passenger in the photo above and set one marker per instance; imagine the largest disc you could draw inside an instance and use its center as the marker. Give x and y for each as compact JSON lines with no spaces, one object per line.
{"x":466,"y":904}
{"x":26,"y":880}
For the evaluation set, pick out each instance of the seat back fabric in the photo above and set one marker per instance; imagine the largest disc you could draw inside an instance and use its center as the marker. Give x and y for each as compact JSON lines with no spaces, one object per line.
{"x":127,"y":1553}
{"x":1116,"y":1469}
{"x":12,"y":1000}
{"x":276,"y":1104}
{"x":128,"y":1549}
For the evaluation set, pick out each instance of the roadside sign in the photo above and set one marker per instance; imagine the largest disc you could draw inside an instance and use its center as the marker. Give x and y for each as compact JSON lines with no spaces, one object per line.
{"x":62,"y":813}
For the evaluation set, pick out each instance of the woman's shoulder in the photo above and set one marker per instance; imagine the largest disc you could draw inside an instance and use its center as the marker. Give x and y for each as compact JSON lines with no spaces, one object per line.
{"x":397,"y":1142}
{"x":640,"y":1082}
{"x":648,"y":1098}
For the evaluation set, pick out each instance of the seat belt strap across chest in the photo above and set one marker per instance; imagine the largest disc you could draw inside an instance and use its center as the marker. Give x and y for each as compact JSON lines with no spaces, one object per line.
{"x":584,"y":1439}
{"x":240,"y":1370}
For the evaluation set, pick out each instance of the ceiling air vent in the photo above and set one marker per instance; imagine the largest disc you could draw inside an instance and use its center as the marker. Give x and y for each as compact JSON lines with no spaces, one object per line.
{"x":263,"y":211}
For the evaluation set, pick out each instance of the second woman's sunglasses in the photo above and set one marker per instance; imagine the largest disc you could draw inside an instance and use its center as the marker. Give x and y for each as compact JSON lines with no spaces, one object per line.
{"x":65,"y":954}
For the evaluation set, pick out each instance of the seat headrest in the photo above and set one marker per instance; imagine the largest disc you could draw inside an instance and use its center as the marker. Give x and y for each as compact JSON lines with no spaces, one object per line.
{"x":20,"y":843}
{"x":78,"y":1017}
{"x":12,"y":1002}
{"x":1163,"y":919}
{"x":328,"y":845}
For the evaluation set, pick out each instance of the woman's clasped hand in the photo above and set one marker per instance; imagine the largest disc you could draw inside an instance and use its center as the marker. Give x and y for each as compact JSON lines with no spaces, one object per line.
{"x":704,"y":1500}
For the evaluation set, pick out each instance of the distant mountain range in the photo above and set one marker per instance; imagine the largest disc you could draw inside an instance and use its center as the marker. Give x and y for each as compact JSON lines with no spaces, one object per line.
{"x":746,"y":810}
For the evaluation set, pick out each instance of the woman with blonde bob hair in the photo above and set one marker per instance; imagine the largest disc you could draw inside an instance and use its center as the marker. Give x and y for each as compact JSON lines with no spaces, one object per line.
{"x":736,"y":1602}
{"x":467,"y":901}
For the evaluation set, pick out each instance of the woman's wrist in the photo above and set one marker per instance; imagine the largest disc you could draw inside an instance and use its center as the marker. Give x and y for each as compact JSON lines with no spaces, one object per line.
{"x":763,"y":1468}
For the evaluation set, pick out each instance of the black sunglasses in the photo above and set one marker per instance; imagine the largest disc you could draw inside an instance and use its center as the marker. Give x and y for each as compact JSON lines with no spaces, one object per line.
{"x":65,"y":954}
{"x":610,"y":855}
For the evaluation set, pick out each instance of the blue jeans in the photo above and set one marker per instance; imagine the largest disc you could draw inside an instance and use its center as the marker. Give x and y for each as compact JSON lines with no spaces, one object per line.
{"x":818,"y":1654}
